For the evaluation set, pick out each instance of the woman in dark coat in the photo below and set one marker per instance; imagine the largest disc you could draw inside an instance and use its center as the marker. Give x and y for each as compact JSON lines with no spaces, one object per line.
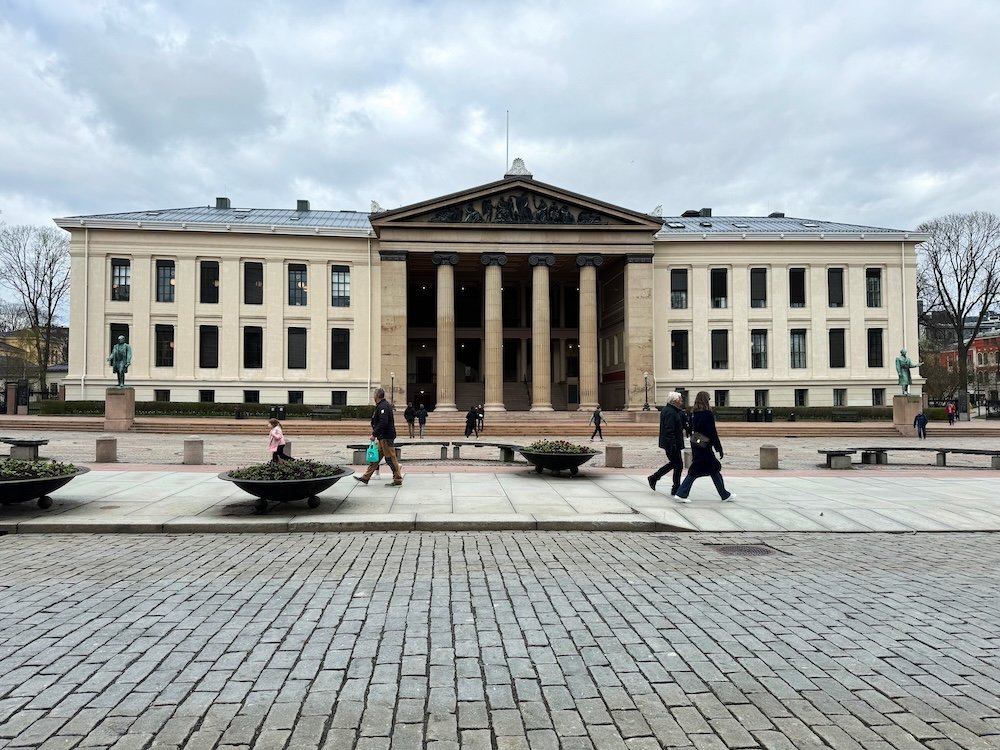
{"x":703,"y":461}
{"x":472,"y":421}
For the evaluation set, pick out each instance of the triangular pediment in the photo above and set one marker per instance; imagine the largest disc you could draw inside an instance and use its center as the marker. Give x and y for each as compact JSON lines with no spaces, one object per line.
{"x":515,"y":202}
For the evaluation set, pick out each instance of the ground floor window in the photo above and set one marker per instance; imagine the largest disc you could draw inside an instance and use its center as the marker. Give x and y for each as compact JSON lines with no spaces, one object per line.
{"x":722,"y":398}
{"x":296,"y":397}
{"x":761,"y":398}
{"x":840,"y":397}
{"x":206,"y":397}
{"x":802,"y":397}
{"x":251,"y":397}
{"x":878,"y":396}
{"x":338,"y":398}
{"x":161,"y":394}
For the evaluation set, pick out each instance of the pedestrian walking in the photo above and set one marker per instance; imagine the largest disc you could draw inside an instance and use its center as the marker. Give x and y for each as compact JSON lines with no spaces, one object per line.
{"x":704,"y":439}
{"x":671,"y":441}
{"x":384,"y":435}
{"x":480,"y":416}
{"x":920,"y":422}
{"x":276,"y":442}
{"x":472,"y":421}
{"x":950,"y":410}
{"x":421,"y":418}
{"x":409,"y":414}
{"x":597,"y":419}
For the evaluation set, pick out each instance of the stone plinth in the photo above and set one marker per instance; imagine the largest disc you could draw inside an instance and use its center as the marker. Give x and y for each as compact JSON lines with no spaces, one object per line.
{"x":119,"y":409}
{"x":769,"y":457}
{"x":613,"y":456}
{"x":194,"y":450}
{"x":904,"y":410}
{"x":107,"y":450}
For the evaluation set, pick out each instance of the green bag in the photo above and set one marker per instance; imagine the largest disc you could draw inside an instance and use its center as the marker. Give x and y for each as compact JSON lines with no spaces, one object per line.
{"x":371,"y":455}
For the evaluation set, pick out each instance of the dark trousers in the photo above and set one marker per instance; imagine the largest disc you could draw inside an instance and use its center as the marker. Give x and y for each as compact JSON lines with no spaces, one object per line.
{"x":279,"y":455}
{"x":921,"y":432}
{"x":675,"y":463}
{"x":470,"y":428}
{"x":409,"y":426}
{"x":720,"y":486}
{"x":597,"y":431}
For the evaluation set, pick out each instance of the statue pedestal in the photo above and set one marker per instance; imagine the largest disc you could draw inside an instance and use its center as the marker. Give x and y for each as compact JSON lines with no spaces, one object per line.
{"x":904,"y":411}
{"x":119,"y":409}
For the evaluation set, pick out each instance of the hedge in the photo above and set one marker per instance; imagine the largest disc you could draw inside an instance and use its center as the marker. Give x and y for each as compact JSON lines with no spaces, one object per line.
{"x":809,"y":413}
{"x":194,"y":408}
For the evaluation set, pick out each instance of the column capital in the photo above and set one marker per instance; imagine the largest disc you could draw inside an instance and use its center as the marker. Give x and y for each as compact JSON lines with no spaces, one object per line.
{"x":541,"y":259}
{"x":594,"y":260}
{"x":445,"y":259}
{"x":639,"y":258}
{"x":385,"y":255}
{"x":493,"y":259}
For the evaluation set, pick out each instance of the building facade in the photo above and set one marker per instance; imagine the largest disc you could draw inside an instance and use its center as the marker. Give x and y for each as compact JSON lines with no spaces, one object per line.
{"x":515,"y":294}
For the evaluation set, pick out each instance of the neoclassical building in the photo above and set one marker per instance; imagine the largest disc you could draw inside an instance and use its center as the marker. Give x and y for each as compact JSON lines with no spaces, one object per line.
{"x":515,"y":294}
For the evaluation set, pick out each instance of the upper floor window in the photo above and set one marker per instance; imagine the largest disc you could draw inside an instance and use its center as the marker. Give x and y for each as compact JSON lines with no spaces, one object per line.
{"x":873,"y":287}
{"x":208,"y":347}
{"x":720,"y":288}
{"x":340,"y":349}
{"x":875,"y":348}
{"x":253,"y":283}
{"x":796,"y":287}
{"x":164,"y":348}
{"x":298,"y":284}
{"x":253,"y":347}
{"x":758,"y":349}
{"x":296,"y":348}
{"x":678,"y":288}
{"x":835,"y":286}
{"x":340,"y":286}
{"x":838,"y":354}
{"x":209,"y":282}
{"x":720,"y":351}
{"x":679,"y":350}
{"x":797,"y":341}
{"x":758,"y":287}
{"x":165,"y":281}
{"x":121,"y":279}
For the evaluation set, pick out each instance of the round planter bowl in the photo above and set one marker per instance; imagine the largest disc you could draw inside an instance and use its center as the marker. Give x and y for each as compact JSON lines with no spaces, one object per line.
{"x":286,"y":490}
{"x":556,"y":462}
{"x":20,"y":490}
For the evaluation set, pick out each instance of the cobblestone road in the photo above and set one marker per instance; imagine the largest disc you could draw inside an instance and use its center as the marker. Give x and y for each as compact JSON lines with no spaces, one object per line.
{"x":499,"y":640}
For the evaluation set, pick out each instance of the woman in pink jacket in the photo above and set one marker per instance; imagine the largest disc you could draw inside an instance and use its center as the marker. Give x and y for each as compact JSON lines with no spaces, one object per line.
{"x":277,"y":442}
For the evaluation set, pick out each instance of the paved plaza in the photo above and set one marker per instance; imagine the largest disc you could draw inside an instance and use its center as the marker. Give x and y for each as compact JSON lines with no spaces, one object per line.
{"x":499,"y":640}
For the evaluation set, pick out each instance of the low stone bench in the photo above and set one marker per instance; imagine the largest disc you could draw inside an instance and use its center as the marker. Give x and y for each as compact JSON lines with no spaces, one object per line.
{"x":838,"y":459}
{"x":360,"y":449}
{"x":506,"y":449}
{"x":418,"y":442}
{"x":880,"y":455}
{"x":24,"y":450}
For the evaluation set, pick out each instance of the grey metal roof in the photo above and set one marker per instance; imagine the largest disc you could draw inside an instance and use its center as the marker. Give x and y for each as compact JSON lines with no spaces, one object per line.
{"x":766,"y":225}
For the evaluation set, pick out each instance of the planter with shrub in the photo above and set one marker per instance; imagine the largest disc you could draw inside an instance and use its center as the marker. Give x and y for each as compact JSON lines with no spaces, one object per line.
{"x":30,"y":480}
{"x":286,"y":481}
{"x":557,"y":456}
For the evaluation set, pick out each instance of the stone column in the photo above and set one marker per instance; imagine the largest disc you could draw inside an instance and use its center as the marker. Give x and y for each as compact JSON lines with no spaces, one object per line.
{"x":393,"y":337}
{"x":638,"y":327}
{"x":541,"y":326}
{"x":588,"y":330}
{"x":445,"y":263}
{"x":494,"y":331}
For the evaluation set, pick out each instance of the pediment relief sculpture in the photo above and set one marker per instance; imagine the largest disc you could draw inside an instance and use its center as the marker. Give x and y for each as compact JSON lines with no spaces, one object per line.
{"x":516,"y":207}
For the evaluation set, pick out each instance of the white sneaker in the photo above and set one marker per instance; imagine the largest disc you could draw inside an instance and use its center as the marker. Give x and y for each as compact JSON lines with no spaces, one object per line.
{"x":680,"y":499}
{"x":730,"y":499}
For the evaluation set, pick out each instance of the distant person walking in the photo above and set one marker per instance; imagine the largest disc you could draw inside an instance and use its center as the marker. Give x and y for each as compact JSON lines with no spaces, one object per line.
{"x":276,"y":442}
{"x":672,"y":421}
{"x":704,"y":439}
{"x":409,"y":414}
{"x":950,"y":410}
{"x":597,"y":419}
{"x":421,"y":418}
{"x":384,"y":434}
{"x":920,"y":422}
{"x":472,"y":421}
{"x":480,"y":416}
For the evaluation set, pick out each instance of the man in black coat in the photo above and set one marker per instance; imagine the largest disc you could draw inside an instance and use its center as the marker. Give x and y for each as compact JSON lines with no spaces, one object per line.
{"x":672,"y":422}
{"x":472,"y":421}
{"x":384,"y":433}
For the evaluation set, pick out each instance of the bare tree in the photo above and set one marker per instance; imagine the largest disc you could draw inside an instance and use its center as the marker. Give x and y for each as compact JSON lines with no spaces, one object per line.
{"x":34,"y":264}
{"x":12,"y":317}
{"x":960,"y":273}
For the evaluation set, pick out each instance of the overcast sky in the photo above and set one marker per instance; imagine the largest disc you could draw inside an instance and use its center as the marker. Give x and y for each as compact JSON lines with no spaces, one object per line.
{"x":883,"y":112}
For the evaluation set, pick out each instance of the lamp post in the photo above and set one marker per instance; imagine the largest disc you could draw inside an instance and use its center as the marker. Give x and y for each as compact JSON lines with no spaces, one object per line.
{"x":645,"y":381}
{"x":392,"y":388}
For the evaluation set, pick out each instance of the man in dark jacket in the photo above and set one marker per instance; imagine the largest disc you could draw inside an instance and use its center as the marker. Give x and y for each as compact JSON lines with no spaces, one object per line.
{"x":672,"y":421}
{"x":410,"y":414}
{"x":472,"y":421}
{"x":384,"y":433}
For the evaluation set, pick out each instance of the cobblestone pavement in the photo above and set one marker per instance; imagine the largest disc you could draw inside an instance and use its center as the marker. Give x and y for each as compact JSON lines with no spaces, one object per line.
{"x":499,"y":641}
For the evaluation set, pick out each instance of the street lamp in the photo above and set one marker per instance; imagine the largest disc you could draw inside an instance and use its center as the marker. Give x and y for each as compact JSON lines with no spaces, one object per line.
{"x":392,"y":388}
{"x":645,"y":381}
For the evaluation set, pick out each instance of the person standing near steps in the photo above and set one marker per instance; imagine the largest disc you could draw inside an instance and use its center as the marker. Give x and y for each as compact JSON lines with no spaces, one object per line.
{"x":672,"y":420}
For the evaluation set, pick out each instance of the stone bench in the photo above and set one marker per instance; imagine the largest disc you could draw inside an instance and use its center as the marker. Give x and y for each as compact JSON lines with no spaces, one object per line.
{"x":360,"y":449}
{"x":838,"y":459}
{"x":443,"y":443}
{"x":24,"y":449}
{"x":880,"y":455}
{"x":507,"y":450}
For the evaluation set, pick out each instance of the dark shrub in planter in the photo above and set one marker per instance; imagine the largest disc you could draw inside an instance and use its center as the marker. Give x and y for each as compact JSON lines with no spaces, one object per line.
{"x":28,"y":480}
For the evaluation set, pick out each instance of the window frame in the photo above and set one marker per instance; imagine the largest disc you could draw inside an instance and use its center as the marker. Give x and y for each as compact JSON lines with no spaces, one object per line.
{"x":208,"y":350}
{"x":163,"y":347}
{"x":798,"y":359}
{"x":838,"y":359}
{"x":758,"y":287}
{"x":298,"y":285}
{"x":253,"y":347}
{"x":680,"y":339}
{"x":793,"y":274}
{"x":165,"y":282}
{"x":758,"y":354}
{"x":297,"y":331}
{"x":718,"y":303}
{"x":253,"y":287}
{"x":340,"y":280}
{"x":879,"y":360}
{"x":208,"y":284}
{"x":341,"y":347}
{"x":678,"y":288}
{"x":831,"y":297}
{"x":719,"y":338}
{"x":121,"y":271}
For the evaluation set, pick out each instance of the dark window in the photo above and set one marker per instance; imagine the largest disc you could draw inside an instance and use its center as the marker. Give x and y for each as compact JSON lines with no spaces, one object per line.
{"x":121,"y":279}
{"x":118,"y":329}
{"x":797,"y":342}
{"x":835,"y":286}
{"x":878,"y":396}
{"x":340,"y":286}
{"x":253,"y":283}
{"x":165,"y":281}
{"x":208,"y":347}
{"x":761,"y":398}
{"x":210,"y":282}
{"x":722,"y":398}
{"x":678,"y":350}
{"x":296,"y":397}
{"x":161,"y":394}
{"x":796,"y":287}
{"x":340,"y":349}
{"x":206,"y":397}
{"x":164,"y":346}
{"x":840,"y":397}
{"x":758,"y":287}
{"x":873,"y":286}
{"x":758,"y":349}
{"x":296,"y":348}
{"x":338,"y":398}
{"x":253,"y":347}
{"x":720,"y":351}
{"x":720,"y":288}
{"x":251,"y":397}
{"x":678,"y":288}
{"x":802,"y":397}
{"x":837,"y":353}
{"x":298,"y":285}
{"x":875,"y":357}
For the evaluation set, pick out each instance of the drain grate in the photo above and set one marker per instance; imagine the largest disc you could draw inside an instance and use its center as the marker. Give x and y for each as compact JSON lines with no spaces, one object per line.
{"x":744,"y":550}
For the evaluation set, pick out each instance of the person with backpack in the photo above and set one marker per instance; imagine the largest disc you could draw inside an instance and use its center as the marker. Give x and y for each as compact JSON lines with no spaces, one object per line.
{"x":421,"y":418}
{"x":597,"y":419}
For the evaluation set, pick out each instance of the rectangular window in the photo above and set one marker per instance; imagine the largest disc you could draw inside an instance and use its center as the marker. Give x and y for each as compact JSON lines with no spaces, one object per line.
{"x":720,"y":350}
{"x":338,"y":398}
{"x":208,"y":347}
{"x":340,"y":349}
{"x":251,"y":397}
{"x":802,"y":397}
{"x":161,"y":394}
{"x":206,"y":397}
{"x":164,"y":346}
{"x":298,"y":285}
{"x":340,"y":286}
{"x":253,"y":283}
{"x":165,"y":281}
{"x":875,"y":347}
{"x":678,"y":288}
{"x":253,"y":347}
{"x":796,"y":287}
{"x":209,"y":282}
{"x":296,"y":397}
{"x":679,"y":350}
{"x":758,"y":349}
{"x":758,"y":287}
{"x":873,"y":287}
{"x":878,"y":396}
{"x":121,"y":279}
{"x":296,"y":348}
{"x":761,"y":398}
{"x":722,"y":398}
{"x":838,"y":355}
{"x":797,"y":342}
{"x":720,"y":288}
{"x":835,"y":286}
{"x":840,"y":397}
{"x":118,"y":329}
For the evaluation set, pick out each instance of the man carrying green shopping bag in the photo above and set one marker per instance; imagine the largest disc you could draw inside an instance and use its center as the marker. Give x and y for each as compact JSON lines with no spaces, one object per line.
{"x":384,"y":435}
